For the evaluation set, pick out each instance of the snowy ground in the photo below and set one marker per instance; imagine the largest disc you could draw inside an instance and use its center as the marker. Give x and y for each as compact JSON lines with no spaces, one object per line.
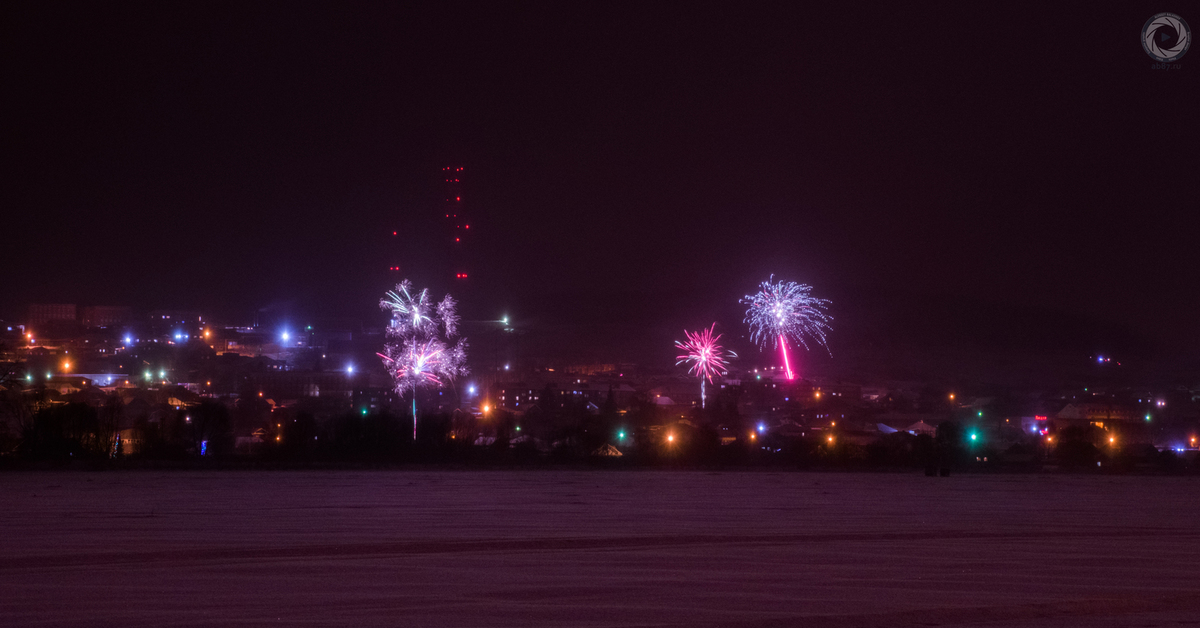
{"x":579,"y":548}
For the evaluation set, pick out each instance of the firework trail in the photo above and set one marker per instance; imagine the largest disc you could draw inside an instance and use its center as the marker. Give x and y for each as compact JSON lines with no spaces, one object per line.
{"x":704,"y":356}
{"x":786,"y":310}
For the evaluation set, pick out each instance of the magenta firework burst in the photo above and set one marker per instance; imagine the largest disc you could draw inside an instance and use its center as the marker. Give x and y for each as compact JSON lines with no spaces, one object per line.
{"x":421,"y":348}
{"x":704,"y":357}
{"x":786,"y":310}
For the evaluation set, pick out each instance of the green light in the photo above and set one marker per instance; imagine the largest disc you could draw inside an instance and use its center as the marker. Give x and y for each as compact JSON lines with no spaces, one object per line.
{"x":518,"y":428}
{"x":981,"y":413}
{"x":620,"y":434}
{"x":364,"y":411}
{"x":974,"y":436}
{"x":1147,"y":417}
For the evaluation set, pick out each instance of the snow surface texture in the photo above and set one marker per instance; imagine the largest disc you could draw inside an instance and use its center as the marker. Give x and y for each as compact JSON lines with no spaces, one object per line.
{"x":578,"y":548}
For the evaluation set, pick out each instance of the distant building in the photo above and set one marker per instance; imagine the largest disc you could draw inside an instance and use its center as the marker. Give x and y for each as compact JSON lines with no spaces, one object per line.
{"x":105,"y":315}
{"x":175,"y":316}
{"x":40,"y":313}
{"x":1099,"y":414}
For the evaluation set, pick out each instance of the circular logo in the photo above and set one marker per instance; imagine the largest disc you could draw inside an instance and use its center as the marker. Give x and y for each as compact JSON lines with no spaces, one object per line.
{"x":1165,"y":37}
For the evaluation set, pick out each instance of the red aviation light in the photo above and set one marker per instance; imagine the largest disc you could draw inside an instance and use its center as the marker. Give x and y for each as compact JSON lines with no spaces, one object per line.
{"x":457,"y":198}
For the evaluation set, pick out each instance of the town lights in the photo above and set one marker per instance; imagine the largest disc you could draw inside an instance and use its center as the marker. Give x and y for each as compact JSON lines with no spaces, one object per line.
{"x":670,"y":438}
{"x":486,"y":408}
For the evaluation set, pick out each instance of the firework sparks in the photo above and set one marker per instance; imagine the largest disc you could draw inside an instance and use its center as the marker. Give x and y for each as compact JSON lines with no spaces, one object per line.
{"x":410,"y":310}
{"x":421,"y":350}
{"x":706,"y":358}
{"x":786,"y":310}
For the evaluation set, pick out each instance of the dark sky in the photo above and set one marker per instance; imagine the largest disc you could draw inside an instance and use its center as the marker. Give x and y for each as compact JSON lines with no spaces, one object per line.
{"x":620,"y":158}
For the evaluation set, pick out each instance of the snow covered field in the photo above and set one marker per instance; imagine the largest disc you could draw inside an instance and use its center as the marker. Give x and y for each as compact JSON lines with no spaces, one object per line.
{"x":602,"y":548}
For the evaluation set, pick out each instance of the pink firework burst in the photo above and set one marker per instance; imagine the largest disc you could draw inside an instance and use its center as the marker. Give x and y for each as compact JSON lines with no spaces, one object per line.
{"x":705,"y":358}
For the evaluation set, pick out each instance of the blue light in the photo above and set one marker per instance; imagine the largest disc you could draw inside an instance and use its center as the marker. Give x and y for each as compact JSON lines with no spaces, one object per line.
{"x":761,"y":428}
{"x":285,"y":336}
{"x":203,"y":447}
{"x":179,"y":336}
{"x":350,"y":369}
{"x":128,"y":340}
{"x":471,"y":389}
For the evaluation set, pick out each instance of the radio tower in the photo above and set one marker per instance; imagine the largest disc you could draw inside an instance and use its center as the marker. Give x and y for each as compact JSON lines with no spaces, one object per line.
{"x":458,"y":223}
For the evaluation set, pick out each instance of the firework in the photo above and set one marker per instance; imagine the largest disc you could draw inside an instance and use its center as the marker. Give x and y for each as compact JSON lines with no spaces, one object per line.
{"x":421,"y":349}
{"x":786,"y":310}
{"x":704,"y":356}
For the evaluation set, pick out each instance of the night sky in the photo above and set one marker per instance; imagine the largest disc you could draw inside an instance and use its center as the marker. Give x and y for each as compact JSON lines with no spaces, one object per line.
{"x":1007,"y":175}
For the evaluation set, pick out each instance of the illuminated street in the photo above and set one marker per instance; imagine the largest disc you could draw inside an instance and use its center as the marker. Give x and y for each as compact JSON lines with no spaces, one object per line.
{"x":578,"y":548}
